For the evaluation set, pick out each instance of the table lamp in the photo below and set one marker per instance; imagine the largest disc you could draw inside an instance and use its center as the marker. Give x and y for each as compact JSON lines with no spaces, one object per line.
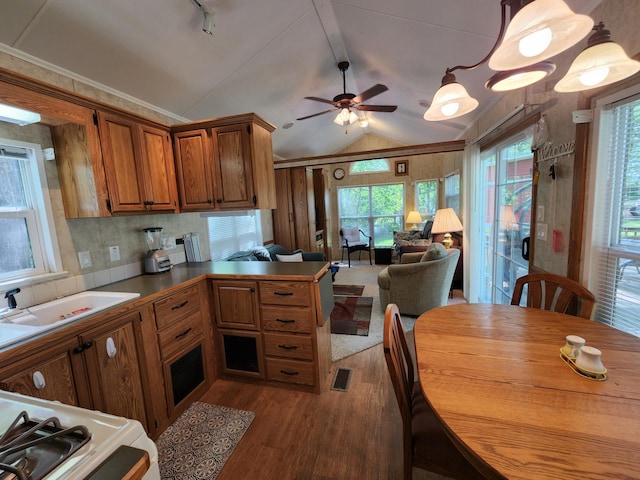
{"x":415,"y":218}
{"x":446,"y":221}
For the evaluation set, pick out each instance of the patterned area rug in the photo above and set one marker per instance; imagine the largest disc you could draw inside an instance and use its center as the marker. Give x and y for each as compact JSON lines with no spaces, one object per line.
{"x":351,"y":315}
{"x":353,"y":290}
{"x":199,"y":442}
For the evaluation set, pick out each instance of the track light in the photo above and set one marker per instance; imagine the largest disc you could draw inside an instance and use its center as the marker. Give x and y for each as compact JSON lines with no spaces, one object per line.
{"x":208,"y":24}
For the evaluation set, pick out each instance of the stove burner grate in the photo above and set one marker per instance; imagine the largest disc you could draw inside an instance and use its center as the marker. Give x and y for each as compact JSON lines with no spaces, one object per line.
{"x":31,"y":449}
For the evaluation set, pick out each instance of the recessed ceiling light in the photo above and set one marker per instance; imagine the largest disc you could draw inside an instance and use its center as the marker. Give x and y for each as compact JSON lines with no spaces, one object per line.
{"x":287,"y":125}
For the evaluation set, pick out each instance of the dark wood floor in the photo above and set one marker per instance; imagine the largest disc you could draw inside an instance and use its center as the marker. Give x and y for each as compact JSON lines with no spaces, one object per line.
{"x":333,"y":436}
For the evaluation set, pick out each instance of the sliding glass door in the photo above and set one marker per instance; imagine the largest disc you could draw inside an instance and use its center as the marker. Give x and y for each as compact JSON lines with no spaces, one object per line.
{"x":506,"y":188}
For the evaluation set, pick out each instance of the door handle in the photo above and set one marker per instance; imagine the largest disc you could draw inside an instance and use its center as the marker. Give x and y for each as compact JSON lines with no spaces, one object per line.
{"x":525,"y":248}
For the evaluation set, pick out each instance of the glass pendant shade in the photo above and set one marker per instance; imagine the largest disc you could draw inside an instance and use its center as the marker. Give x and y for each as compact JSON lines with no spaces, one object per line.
{"x":450,"y":101}
{"x":540,"y":30}
{"x":520,"y":77}
{"x":596,"y":66}
{"x":346,"y":117}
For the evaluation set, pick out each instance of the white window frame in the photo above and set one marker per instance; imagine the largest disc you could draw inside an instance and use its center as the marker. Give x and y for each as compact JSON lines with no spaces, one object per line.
{"x":449,"y":180}
{"x":39,"y":218}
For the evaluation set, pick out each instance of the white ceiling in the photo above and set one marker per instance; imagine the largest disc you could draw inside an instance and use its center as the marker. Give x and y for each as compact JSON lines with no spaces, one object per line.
{"x":265,"y":56}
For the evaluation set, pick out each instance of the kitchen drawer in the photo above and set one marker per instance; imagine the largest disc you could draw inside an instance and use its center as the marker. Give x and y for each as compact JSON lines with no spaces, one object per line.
{"x":285,"y":293}
{"x":291,"y":371}
{"x":290,"y":346}
{"x":287,"y":319}
{"x":177,"y":306}
{"x":174,"y":337}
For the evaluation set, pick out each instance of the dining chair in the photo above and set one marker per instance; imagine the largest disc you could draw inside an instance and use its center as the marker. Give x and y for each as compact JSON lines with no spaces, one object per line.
{"x":351,"y":239}
{"x":556,"y":293}
{"x":425,"y":441}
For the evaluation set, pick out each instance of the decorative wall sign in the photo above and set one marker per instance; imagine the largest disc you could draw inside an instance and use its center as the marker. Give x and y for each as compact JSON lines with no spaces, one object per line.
{"x":402,"y":167}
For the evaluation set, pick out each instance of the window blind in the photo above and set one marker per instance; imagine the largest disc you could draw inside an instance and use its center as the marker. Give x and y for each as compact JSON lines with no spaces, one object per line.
{"x":616,"y":243}
{"x":232,"y":233}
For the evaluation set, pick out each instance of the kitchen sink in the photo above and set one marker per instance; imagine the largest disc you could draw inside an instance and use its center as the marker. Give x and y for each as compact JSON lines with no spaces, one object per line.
{"x":46,"y":316}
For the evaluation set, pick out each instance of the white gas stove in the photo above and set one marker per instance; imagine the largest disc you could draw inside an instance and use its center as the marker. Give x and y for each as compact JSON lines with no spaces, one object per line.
{"x":105,"y":434}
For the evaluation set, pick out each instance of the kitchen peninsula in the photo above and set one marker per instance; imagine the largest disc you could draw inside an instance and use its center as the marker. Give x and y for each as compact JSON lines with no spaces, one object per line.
{"x":250,"y":321}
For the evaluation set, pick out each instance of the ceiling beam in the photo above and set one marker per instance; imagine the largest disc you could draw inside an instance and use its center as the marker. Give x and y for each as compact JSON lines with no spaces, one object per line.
{"x":412,"y":150}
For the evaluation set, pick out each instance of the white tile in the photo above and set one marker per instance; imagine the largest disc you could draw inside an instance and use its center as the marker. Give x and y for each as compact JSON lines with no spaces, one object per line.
{"x":44,"y":292}
{"x":86,"y":281}
{"x":178,"y":257}
{"x":101,"y":278}
{"x":25,"y":298}
{"x":117,"y":274}
{"x":66,"y":286}
{"x":133,"y":269}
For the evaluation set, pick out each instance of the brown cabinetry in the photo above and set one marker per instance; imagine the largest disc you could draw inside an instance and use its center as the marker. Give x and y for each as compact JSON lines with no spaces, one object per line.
{"x":138,"y":163}
{"x":225,"y":164}
{"x":267,"y":329}
{"x":99,"y":369}
{"x":185,"y":348}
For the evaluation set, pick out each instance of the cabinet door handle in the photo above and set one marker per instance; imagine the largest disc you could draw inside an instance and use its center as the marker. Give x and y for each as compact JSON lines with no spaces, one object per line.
{"x":111,"y":348}
{"x":38,"y":380}
{"x":288,"y":372}
{"x":284,"y":320}
{"x":82,"y":347}
{"x":283,"y":294}
{"x":287,"y":347}
{"x":178,"y":307}
{"x":180,"y":335}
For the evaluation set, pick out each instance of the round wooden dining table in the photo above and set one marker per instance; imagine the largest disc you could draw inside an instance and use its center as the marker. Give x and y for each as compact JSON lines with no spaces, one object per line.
{"x":494,"y":376}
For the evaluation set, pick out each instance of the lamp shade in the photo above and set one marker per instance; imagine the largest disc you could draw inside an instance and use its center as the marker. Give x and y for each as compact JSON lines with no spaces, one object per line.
{"x":508,"y":220}
{"x":346,"y":117}
{"x":415,"y":218}
{"x":450,"y":101}
{"x":596,"y":66}
{"x":540,"y":30}
{"x":520,"y":77}
{"x":446,"y":221}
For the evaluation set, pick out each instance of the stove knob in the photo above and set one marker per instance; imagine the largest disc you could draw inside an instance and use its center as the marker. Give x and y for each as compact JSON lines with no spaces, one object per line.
{"x":38,"y":380}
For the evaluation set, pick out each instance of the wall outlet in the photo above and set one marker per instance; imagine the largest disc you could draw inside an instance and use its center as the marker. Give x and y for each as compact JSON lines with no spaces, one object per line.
{"x":114,"y":253}
{"x":85,"y":259}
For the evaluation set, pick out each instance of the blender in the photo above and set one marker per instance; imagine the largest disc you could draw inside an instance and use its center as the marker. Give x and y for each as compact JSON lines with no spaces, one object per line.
{"x":156,"y":259}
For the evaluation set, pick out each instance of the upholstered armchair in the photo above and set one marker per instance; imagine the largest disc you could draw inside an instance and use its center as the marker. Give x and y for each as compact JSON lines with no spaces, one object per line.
{"x":420,"y":286}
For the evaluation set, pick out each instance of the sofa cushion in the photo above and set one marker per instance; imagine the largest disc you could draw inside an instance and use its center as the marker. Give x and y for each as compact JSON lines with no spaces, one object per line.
{"x":295,"y":257}
{"x":261,"y":254}
{"x":436,"y":251}
{"x":407,"y":235}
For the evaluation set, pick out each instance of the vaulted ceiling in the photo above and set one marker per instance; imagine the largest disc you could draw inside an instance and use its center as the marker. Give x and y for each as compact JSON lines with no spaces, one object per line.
{"x":265,"y":56}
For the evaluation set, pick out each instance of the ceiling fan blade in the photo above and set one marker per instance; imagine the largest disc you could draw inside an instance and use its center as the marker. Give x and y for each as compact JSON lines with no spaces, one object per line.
{"x":316,"y":114}
{"x":372,"y":92}
{"x":323,"y":100}
{"x":377,"y":108}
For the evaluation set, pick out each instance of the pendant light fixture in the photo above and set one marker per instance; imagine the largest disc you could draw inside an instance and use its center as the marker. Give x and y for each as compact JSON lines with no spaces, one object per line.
{"x":538,"y":31}
{"x":601,"y":63}
{"x":450,"y":101}
{"x":345,"y":117}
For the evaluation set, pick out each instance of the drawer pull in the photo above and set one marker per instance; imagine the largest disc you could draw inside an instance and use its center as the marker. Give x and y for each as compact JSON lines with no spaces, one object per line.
{"x":82,"y":347}
{"x":283,"y":294}
{"x":284,"y":320}
{"x":180,"y":335}
{"x":287,"y":347}
{"x":177,"y":307}
{"x":287,"y":372}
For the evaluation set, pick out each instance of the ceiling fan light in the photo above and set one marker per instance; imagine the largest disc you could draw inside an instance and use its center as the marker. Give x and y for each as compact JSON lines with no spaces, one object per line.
{"x":520,"y":77}
{"x":363,"y":122}
{"x":540,"y":30}
{"x":345,"y":117}
{"x":450,"y":101}
{"x":596,"y":66}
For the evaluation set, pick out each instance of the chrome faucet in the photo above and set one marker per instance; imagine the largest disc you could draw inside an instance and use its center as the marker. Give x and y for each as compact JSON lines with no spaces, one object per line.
{"x":11,"y":300}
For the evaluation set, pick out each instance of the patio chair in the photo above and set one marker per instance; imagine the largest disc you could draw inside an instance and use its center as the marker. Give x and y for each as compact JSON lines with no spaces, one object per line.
{"x":351,"y":241}
{"x":556,"y":293}
{"x":424,"y":440}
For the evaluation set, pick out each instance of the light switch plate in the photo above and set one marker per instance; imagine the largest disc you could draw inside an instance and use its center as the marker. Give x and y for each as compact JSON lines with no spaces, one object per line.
{"x":85,"y":259}
{"x":114,"y":253}
{"x":540,"y":215}
{"x":541,"y":231}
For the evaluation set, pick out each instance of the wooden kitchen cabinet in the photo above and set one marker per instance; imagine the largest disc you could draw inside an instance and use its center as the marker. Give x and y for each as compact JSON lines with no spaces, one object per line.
{"x":225,"y":164}
{"x":114,"y":367}
{"x":50,"y":375}
{"x":138,"y":163}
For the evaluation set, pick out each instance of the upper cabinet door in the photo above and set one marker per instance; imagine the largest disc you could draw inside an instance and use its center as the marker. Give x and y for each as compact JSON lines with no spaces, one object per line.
{"x":119,"y":152}
{"x":157,"y":159}
{"x":195,"y":170}
{"x":233,"y":167}
{"x":138,"y":164}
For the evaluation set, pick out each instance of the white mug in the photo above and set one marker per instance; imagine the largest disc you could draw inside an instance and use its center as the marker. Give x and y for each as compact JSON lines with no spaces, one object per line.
{"x":590,"y":359}
{"x":574,"y":344}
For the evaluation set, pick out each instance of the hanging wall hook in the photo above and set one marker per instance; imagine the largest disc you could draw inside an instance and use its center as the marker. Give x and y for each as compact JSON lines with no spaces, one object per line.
{"x":552,"y":171}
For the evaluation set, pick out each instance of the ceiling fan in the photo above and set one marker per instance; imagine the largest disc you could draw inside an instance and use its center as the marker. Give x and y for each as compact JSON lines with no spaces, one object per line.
{"x":346,"y":101}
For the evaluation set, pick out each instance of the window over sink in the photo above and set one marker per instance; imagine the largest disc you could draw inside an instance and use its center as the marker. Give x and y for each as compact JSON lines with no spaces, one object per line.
{"x":28,"y":239}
